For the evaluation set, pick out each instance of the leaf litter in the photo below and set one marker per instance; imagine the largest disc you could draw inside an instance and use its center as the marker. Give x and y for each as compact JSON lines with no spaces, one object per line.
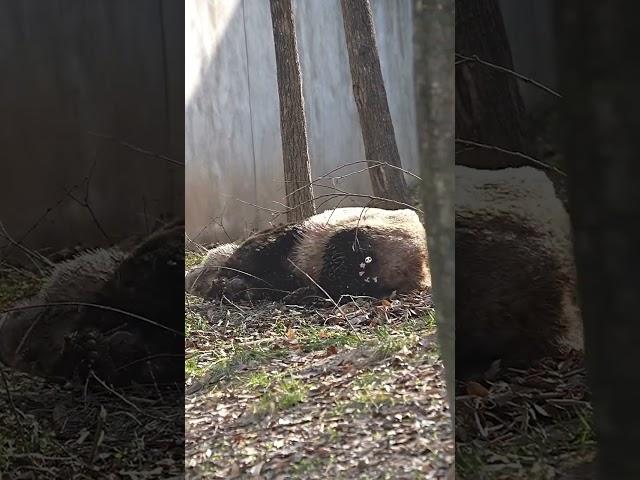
{"x":280,"y":392}
{"x":534,"y":423}
{"x":50,"y":430}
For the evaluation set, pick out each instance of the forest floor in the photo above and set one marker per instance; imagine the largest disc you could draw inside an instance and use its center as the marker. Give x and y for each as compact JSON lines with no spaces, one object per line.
{"x":49,"y":430}
{"x":534,"y":424}
{"x":282,"y":392}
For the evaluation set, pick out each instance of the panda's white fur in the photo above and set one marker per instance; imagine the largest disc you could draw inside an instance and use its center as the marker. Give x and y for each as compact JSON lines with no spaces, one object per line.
{"x":198,"y":279}
{"x":82,"y":276}
{"x":399,"y":236}
{"x":77,"y":279}
{"x":518,"y":285}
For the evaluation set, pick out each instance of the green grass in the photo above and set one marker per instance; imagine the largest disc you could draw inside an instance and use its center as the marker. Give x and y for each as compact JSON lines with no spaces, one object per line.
{"x":282,"y":393}
{"x":315,"y":338}
{"x":16,"y":286}
{"x":225,"y":363}
{"x":531,"y":454}
{"x":369,"y":391}
{"x":192,"y":259}
{"x":307,"y":465}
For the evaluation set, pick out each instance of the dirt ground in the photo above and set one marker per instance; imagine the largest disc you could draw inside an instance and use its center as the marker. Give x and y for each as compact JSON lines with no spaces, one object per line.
{"x":282,"y":392}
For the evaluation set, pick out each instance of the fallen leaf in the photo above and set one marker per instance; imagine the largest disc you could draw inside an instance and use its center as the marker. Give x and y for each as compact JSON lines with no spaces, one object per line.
{"x":332,"y":350}
{"x":234,"y":471}
{"x":255,"y":470}
{"x":493,"y":370}
{"x":477,"y":390}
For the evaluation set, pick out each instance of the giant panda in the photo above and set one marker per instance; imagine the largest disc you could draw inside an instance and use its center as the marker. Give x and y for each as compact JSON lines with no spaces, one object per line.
{"x":515,"y":272}
{"x":92,"y":332}
{"x":355,"y":251}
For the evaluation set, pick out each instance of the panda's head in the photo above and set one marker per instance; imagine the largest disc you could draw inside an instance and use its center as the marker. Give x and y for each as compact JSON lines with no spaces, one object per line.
{"x":203,"y":280}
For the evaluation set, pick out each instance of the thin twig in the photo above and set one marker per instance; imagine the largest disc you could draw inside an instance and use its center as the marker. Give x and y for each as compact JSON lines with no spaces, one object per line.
{"x":513,"y":153}
{"x":475,"y":58}
{"x":136,"y":148}
{"x":372,"y":164}
{"x":31,"y":254}
{"x":99,"y":434}
{"x":91,"y":305}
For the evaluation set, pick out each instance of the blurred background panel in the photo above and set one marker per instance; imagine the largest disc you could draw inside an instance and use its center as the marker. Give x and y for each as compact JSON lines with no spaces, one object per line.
{"x":92,"y":92}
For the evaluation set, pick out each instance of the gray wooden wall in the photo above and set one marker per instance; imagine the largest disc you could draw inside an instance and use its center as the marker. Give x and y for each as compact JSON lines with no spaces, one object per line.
{"x":232,"y":130}
{"x":115,"y":67}
{"x":529,"y":25}
{"x":70,"y":67}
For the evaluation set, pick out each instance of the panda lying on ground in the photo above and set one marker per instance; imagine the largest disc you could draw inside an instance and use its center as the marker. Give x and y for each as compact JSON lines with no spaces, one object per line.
{"x":122,"y":316}
{"x":515,"y":273}
{"x":346,"y":251}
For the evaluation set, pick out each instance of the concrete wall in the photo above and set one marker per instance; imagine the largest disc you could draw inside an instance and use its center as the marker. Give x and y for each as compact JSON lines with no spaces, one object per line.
{"x":71,"y":67}
{"x":232,"y":132}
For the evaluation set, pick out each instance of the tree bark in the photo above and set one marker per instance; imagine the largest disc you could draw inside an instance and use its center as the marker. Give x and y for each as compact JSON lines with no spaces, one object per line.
{"x":489,"y":107}
{"x":598,"y":71}
{"x":293,"y":125}
{"x":434,"y":70}
{"x":373,"y":109}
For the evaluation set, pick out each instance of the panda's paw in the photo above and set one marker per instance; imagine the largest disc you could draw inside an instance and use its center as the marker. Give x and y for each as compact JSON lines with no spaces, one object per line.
{"x":86,"y":353}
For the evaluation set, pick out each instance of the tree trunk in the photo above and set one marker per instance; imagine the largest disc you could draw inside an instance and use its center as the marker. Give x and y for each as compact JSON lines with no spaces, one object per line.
{"x":598,"y":71}
{"x":371,"y":99}
{"x":489,"y":107}
{"x":434,"y":41}
{"x":293,"y":126}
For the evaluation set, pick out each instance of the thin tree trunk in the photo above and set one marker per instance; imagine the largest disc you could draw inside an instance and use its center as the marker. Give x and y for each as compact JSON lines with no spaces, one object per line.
{"x":293,"y":126}
{"x":489,"y":107}
{"x":371,"y":99}
{"x":434,"y":47}
{"x":599,"y":76}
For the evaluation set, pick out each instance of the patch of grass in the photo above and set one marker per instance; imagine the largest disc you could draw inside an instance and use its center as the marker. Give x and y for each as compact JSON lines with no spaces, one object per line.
{"x":585,"y":433}
{"x":531,"y":455}
{"x":306,"y":466}
{"x":31,"y":436}
{"x":389,"y":342}
{"x":315,"y":338}
{"x":192,"y":368}
{"x":224,"y":362}
{"x":282,"y":393}
{"x":192,"y":321}
{"x":370,"y":390}
{"x":259,"y":380}
{"x":193,"y":259}
{"x":16,"y":286}
{"x":468,"y":463}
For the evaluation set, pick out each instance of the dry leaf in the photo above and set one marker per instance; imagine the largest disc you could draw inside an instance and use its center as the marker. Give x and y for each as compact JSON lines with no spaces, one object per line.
{"x":477,"y":390}
{"x":234,"y":471}
{"x":541,"y":410}
{"x":255,"y":470}
{"x":493,"y":370}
